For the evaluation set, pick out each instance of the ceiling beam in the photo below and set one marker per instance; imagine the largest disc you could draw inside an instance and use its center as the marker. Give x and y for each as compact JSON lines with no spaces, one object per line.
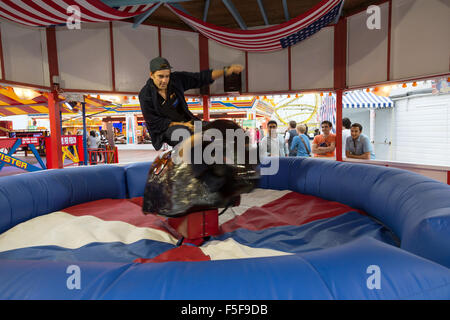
{"x":142,"y":17}
{"x":230,"y":6}
{"x":340,"y":12}
{"x":179,"y":7}
{"x":205,"y":11}
{"x":286,"y":10}
{"x":263,"y":12}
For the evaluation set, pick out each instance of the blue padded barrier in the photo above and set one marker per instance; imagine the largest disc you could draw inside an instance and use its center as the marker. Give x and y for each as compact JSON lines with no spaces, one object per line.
{"x":25,"y":196}
{"x":277,"y":181}
{"x":336,"y":273}
{"x":416,"y":208}
{"x":136,"y":175}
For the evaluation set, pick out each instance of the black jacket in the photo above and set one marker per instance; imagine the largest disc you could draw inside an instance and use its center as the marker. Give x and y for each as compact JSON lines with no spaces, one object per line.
{"x":157,"y":119}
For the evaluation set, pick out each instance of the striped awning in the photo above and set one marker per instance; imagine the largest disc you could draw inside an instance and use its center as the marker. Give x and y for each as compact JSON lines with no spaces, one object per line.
{"x":12,"y":105}
{"x":57,"y":12}
{"x":363,"y":99}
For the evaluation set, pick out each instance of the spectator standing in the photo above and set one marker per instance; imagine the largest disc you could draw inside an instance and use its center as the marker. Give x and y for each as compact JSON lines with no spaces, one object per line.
{"x":273,"y":143}
{"x":316,"y":132}
{"x":358,"y":145}
{"x":346,"y":125}
{"x":92,"y":142}
{"x":289,"y":137}
{"x":103,"y":145}
{"x":324,"y":144}
{"x":301,"y":142}
{"x":261,"y":133}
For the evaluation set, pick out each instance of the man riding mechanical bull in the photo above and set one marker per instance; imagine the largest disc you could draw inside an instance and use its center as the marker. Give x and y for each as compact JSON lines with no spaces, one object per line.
{"x":210,"y":164}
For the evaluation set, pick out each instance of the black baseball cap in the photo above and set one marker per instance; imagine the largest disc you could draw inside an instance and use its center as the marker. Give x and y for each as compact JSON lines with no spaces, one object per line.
{"x":159,"y":63}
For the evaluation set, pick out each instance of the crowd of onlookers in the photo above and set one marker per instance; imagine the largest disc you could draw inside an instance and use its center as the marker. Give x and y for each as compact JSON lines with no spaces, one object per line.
{"x":296,"y":143}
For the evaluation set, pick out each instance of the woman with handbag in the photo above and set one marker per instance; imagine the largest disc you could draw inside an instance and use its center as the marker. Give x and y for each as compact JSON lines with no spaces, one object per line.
{"x":301,"y":142}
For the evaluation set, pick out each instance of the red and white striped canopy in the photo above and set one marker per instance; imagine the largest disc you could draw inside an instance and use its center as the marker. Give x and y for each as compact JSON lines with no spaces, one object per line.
{"x":56,"y":12}
{"x":270,"y":38}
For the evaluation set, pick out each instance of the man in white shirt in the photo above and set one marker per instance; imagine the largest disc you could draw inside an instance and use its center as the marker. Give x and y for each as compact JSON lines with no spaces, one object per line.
{"x":273,"y":144}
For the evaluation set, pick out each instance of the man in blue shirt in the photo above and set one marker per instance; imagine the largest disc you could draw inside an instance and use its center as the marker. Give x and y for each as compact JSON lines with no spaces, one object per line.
{"x":358,"y":145}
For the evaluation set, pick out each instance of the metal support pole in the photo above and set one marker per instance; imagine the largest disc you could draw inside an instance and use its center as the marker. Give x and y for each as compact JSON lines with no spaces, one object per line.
{"x":83,"y":109}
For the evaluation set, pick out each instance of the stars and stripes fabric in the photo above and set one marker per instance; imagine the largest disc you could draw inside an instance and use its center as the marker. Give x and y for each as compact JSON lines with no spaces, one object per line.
{"x":270,"y":38}
{"x":327,"y":111}
{"x":267,"y":223}
{"x":352,"y":100}
{"x":59,"y":12}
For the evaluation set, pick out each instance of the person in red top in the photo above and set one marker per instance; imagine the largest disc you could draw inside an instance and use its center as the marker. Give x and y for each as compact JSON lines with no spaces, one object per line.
{"x":324,"y":144}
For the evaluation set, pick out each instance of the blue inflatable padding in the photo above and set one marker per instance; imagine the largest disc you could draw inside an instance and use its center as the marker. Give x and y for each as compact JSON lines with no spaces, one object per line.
{"x":340,"y":272}
{"x":276,"y":181}
{"x":136,"y":175}
{"x":396,"y":266}
{"x":403,"y":201}
{"x":25,"y":196}
{"x":415,"y":208}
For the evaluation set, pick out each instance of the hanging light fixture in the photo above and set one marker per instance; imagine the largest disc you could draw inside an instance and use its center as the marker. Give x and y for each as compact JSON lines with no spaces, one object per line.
{"x":383,"y":91}
{"x":26,"y":94}
{"x":414,"y":84}
{"x":404,"y":85}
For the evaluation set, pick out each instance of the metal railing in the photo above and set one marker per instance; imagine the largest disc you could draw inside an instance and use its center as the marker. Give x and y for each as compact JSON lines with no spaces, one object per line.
{"x":102,"y":156}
